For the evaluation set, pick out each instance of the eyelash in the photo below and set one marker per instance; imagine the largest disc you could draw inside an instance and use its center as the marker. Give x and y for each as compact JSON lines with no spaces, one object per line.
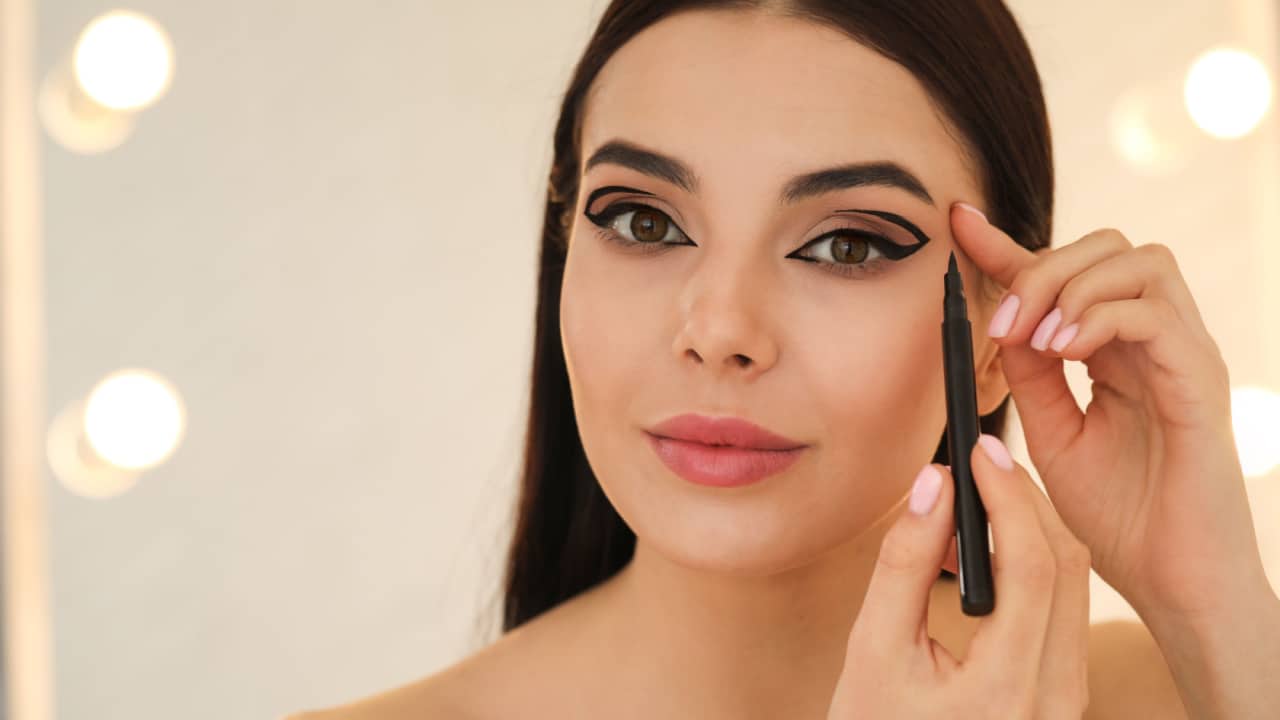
{"x":867,"y":268}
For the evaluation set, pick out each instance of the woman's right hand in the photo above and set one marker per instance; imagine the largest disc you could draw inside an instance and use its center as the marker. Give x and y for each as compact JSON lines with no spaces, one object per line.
{"x":1027,"y":659}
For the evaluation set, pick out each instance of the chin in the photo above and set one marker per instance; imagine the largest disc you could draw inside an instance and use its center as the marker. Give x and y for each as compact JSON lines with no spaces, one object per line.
{"x":747,"y":536}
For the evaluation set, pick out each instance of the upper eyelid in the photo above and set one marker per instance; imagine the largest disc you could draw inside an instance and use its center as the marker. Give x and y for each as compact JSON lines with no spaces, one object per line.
{"x":630,"y":205}
{"x":645,"y":201}
{"x":898,"y":221}
{"x":633,"y":204}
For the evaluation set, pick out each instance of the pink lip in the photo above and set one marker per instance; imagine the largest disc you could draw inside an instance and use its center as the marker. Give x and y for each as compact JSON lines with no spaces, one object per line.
{"x":722,"y":452}
{"x":723,"y":466}
{"x":722,"y":431}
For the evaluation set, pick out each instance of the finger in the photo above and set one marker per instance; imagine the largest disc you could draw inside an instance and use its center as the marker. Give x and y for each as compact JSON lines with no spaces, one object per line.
{"x":894,"y":610}
{"x":1027,"y":320}
{"x":996,"y":254}
{"x":1147,"y":271}
{"x":1063,"y":684}
{"x":951,"y":559}
{"x":1024,"y":567}
{"x":1037,"y":285}
{"x":1050,"y":416}
{"x":1151,"y":321}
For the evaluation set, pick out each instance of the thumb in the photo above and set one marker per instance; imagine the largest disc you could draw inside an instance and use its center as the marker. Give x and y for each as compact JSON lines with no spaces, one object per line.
{"x":951,"y":558}
{"x":894,"y":609}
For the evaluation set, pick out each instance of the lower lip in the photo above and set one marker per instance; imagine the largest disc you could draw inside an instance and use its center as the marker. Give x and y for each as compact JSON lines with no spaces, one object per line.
{"x":720,"y":466}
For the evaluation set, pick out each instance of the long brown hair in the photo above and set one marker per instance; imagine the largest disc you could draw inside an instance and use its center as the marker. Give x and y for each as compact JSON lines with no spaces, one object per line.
{"x":976,"y":67}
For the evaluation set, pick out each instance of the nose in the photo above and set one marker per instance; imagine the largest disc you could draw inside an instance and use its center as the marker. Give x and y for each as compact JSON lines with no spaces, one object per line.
{"x":725,"y":328}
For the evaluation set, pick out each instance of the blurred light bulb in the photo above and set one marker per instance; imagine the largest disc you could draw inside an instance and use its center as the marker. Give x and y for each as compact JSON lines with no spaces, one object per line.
{"x":123,"y":60}
{"x":133,"y":419}
{"x":1145,"y":133}
{"x":76,"y":465}
{"x":76,"y":121}
{"x":1255,"y":415}
{"x":1227,"y":92}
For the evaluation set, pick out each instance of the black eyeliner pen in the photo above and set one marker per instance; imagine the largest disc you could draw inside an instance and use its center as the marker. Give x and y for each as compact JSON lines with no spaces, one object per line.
{"x":977,"y":595}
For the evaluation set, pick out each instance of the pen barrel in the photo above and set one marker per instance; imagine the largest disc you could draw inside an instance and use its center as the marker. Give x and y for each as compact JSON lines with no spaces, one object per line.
{"x":977,"y":595}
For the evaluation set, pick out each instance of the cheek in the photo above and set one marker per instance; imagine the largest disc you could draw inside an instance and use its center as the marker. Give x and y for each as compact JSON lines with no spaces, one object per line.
{"x":878,"y":385}
{"x":877,"y":370}
{"x":868,"y":381}
{"x":584,"y":322}
{"x":598,"y":324}
{"x":607,"y":338}
{"x":611,"y":327}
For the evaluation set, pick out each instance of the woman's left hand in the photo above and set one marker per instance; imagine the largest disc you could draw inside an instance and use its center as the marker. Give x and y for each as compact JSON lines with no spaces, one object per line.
{"x":1147,"y":476}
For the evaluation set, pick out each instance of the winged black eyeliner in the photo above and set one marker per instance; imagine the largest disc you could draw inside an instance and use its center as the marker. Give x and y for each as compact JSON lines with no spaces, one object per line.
{"x":894,"y":218}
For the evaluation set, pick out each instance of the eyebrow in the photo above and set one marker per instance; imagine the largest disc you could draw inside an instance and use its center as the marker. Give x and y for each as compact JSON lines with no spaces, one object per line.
{"x":884,"y":173}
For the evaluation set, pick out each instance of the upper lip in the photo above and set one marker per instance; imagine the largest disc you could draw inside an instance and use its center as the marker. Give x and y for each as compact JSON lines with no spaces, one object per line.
{"x":722,"y":431}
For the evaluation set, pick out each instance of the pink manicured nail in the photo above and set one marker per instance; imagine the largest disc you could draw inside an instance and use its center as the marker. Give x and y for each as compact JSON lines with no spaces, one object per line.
{"x":974,"y":210}
{"x":1003,"y":319}
{"x":996,"y":450}
{"x":1066,"y":335}
{"x":924,"y":493}
{"x":1040,"y":340}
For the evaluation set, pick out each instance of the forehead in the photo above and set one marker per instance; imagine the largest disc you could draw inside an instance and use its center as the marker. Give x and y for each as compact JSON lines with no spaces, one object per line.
{"x":725,"y":90}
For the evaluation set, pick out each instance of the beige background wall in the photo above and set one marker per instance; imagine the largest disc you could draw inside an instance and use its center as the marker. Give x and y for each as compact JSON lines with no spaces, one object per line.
{"x":325,"y":234}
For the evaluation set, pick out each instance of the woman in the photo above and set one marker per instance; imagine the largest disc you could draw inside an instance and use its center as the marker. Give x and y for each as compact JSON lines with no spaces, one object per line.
{"x":695,"y":261}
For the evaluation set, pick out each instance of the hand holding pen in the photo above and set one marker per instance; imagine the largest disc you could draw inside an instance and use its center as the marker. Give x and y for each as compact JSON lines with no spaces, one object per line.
{"x":1147,"y":476}
{"x":1027,"y":658}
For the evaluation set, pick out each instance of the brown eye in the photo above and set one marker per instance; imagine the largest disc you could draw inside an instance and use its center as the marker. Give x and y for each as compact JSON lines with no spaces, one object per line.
{"x":853,"y":252}
{"x":850,"y":250}
{"x":648,"y":226}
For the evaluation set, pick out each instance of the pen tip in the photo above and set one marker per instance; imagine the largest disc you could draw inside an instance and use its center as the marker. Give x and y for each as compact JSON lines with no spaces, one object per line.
{"x":951,"y":264}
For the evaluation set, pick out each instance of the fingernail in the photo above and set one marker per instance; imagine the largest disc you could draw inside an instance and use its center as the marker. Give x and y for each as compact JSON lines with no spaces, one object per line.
{"x":1040,"y":340}
{"x":1066,"y":335}
{"x":972,"y":209}
{"x":1003,"y":319}
{"x":924,"y":493}
{"x":996,"y":450}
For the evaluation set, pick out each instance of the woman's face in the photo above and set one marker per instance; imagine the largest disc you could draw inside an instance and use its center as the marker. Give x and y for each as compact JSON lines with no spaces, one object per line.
{"x":828,"y":343}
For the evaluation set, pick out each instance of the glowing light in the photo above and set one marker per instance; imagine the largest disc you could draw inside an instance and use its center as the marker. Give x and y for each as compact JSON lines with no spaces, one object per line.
{"x":74,"y":120}
{"x":1227,"y":92}
{"x":134,"y":419}
{"x":1255,"y":415}
{"x":1144,"y":133}
{"x":76,"y":465}
{"x":123,"y":60}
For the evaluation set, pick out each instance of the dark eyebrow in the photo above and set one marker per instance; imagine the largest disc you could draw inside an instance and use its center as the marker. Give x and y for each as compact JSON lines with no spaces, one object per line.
{"x":884,"y":173}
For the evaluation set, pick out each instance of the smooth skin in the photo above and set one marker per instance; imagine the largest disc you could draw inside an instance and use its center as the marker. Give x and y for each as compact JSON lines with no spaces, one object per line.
{"x":742,"y":604}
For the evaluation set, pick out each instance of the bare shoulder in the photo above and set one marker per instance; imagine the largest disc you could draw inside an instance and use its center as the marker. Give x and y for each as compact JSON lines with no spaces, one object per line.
{"x":454,"y":693}
{"x":510,"y":677}
{"x":540,"y":669}
{"x":435,"y":696}
{"x":1128,"y":675}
